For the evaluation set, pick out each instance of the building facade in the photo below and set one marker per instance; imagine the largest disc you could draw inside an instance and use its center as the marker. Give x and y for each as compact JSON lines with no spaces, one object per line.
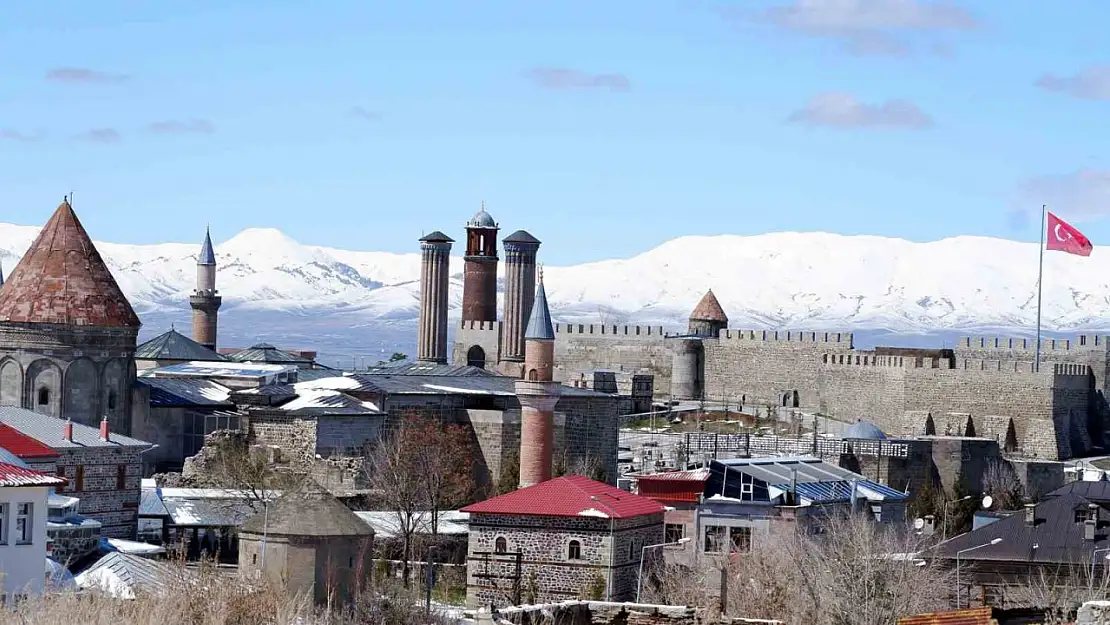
{"x":23,"y":496}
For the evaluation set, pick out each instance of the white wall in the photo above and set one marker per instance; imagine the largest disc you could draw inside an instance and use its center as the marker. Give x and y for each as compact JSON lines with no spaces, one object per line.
{"x":24,"y":566}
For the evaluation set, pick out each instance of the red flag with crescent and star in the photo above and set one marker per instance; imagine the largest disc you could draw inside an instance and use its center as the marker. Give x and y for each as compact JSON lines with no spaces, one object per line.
{"x":1063,"y":237}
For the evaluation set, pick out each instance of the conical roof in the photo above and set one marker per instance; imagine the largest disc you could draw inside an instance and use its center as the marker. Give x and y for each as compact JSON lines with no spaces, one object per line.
{"x":62,"y":279}
{"x":539,"y":324}
{"x":436,"y":236}
{"x":709,"y":309}
{"x":309,"y":511}
{"x":207,"y":255}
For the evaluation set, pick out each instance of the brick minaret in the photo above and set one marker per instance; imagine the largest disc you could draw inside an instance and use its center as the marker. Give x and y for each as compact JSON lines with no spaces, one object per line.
{"x":204,"y":300}
{"x":537,"y":394}
{"x":520,"y":290}
{"x":435,"y":263}
{"x":480,"y":269}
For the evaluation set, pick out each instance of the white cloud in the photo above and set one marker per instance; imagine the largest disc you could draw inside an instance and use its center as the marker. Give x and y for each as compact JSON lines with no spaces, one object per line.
{"x":1081,"y":195}
{"x":842,"y":110}
{"x":1091,"y":84}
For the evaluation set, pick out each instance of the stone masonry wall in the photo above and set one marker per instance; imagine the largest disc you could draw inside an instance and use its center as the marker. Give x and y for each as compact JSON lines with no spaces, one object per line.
{"x":629,"y":349}
{"x":98,"y":486}
{"x":486,"y":334}
{"x":609,"y":550}
{"x":295,"y":436}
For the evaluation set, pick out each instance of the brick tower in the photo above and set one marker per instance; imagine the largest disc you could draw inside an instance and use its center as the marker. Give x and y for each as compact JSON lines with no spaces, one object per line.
{"x":435,"y":274}
{"x":520,"y":290}
{"x":480,"y":269}
{"x":537,"y":394}
{"x":62,"y":311}
{"x":205,"y":300}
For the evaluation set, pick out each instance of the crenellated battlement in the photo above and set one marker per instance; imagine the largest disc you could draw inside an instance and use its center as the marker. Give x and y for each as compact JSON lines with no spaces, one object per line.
{"x":870,"y":359}
{"x":788,"y":336}
{"x":608,"y":329}
{"x":1082,"y":341}
{"x":479,"y":325}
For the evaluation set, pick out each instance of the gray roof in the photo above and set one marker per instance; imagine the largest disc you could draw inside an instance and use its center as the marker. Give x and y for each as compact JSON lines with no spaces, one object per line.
{"x":814,"y":479}
{"x":864,"y":430}
{"x":150,"y":504}
{"x":309,"y":511}
{"x":539,"y":325}
{"x":499,"y":385}
{"x":481,"y":219}
{"x":186,"y":392}
{"x":521,"y":236}
{"x":264,"y":352}
{"x":206,"y":256}
{"x":49,"y":431}
{"x":1059,"y":538}
{"x":136,"y":573}
{"x":316,"y":373}
{"x":420,"y":368}
{"x":173,"y":345}
{"x":436,"y":236}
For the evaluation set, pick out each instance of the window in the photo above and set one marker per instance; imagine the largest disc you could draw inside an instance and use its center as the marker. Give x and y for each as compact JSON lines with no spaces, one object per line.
{"x":632,"y":550}
{"x":254,"y":558}
{"x":500,"y":545}
{"x":44,"y":396}
{"x":111,"y":400}
{"x":79,"y":478}
{"x":62,"y":474}
{"x":1082,"y":515}
{"x":714,"y":538}
{"x":574,"y":550}
{"x":532,"y":375}
{"x":740,"y":539}
{"x":3,"y":523}
{"x":24,"y":523}
{"x":673,"y":532}
{"x":121,"y":476}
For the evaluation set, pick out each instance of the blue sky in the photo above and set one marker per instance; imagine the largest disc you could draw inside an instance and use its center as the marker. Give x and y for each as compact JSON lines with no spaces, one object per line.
{"x":604,"y":128}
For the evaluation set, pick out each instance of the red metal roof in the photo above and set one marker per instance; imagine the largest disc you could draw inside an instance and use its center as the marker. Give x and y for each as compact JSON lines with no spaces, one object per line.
{"x":23,"y":446}
{"x":569,"y":496}
{"x":974,"y":616}
{"x":693,"y":475}
{"x":11,"y":475}
{"x":62,"y":279}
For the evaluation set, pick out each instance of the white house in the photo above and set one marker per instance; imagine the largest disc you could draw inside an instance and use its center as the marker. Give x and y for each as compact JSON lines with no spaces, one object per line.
{"x":23,"y":511}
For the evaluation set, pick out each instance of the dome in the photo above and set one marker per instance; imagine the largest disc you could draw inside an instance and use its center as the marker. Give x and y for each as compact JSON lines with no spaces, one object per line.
{"x":481,"y":219}
{"x":864,"y":430}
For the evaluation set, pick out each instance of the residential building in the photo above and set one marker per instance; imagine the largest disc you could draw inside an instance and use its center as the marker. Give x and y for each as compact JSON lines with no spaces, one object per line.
{"x":176,"y":414}
{"x":72,"y":537}
{"x":23,"y":496}
{"x":565,"y":538}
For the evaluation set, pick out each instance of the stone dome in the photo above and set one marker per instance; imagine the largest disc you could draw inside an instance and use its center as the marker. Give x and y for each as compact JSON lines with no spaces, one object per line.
{"x":481,"y":219}
{"x":864,"y":430}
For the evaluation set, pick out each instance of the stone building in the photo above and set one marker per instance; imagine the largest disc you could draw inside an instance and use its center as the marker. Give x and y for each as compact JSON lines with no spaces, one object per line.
{"x":311,"y":544}
{"x":103,"y":469}
{"x":67,"y":332}
{"x":205,"y":300}
{"x":565,"y":538}
{"x":172,"y":348}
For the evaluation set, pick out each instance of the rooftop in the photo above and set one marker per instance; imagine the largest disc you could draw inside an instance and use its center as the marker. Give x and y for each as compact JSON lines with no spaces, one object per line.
{"x":386,"y":525}
{"x":173,"y":345}
{"x":539,"y":324}
{"x":49,"y":431}
{"x":221,"y":369}
{"x":62,"y":279}
{"x":522,"y":236}
{"x":308,"y":512}
{"x":864,"y":430}
{"x":264,"y":352}
{"x":481,"y":219}
{"x":186,"y":392}
{"x":569,"y":496}
{"x":427,"y":368}
{"x":16,"y":476}
{"x":436,"y":236}
{"x":207,"y":256}
{"x":490,"y":385}
{"x":709,"y":309}
{"x":124,"y":575}
{"x":22,"y":446}
{"x":815,"y":480}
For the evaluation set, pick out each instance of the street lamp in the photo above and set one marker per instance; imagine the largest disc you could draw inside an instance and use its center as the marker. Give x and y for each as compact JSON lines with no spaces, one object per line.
{"x":643,"y":552}
{"x":944,"y":529}
{"x":959,"y":589}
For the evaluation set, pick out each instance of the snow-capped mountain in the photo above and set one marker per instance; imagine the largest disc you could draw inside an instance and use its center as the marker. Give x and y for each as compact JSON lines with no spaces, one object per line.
{"x":779,"y":280}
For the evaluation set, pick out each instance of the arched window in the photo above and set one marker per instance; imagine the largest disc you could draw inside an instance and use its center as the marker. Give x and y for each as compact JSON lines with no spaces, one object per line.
{"x":44,"y":396}
{"x":476,"y":356}
{"x":532,"y":375}
{"x":500,"y":545}
{"x":574,"y":550}
{"x":111,"y":400}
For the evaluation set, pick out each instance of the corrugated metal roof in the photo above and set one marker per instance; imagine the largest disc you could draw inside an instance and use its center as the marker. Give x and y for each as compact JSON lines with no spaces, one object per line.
{"x":124,"y":575}
{"x":173,"y":345}
{"x":975,"y":616}
{"x":569,"y":496}
{"x":186,"y":392}
{"x":423,"y":368}
{"x":12,"y":475}
{"x":150,"y":504}
{"x":445,"y":385}
{"x":693,"y":475}
{"x":264,"y":352}
{"x":49,"y":431}
{"x":215,"y":512}
{"x":23,"y":446}
{"x":207,"y":256}
{"x":815,"y":479}
{"x":386,"y":524}
{"x":221,"y":369}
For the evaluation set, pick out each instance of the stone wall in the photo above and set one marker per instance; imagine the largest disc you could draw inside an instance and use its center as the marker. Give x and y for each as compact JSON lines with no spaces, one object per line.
{"x":295,"y":436}
{"x":485,"y":334}
{"x":347,"y":434}
{"x":94,"y":475}
{"x":629,"y":349}
{"x":609,"y":557}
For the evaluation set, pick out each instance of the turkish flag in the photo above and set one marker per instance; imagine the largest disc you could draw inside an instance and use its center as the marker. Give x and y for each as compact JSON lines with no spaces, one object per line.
{"x":1062,"y":237}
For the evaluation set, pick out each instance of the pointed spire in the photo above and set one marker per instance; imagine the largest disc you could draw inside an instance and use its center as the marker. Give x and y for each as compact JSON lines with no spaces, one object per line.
{"x":539,"y":325}
{"x":709,"y":309}
{"x":207,"y":256}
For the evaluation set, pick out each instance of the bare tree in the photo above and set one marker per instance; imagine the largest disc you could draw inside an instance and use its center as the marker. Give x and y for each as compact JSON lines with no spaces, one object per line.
{"x":228,"y":461}
{"x":392,"y":475}
{"x":1002,"y":484}
{"x":1059,"y":589}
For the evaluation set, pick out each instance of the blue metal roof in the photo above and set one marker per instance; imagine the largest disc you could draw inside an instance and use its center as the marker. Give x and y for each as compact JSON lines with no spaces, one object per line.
{"x":186,"y":392}
{"x":828,"y":492}
{"x":207,"y":255}
{"x":539,"y":326}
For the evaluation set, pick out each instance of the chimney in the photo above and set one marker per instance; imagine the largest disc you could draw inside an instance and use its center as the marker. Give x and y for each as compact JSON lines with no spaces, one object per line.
{"x":67,"y":431}
{"x":1089,"y":529}
{"x":1030,"y":513}
{"x":930,"y":525}
{"x":104,"y":434}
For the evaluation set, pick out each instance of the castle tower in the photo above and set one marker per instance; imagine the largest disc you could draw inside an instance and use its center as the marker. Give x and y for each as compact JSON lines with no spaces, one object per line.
{"x":708,"y":318}
{"x":520,"y":291}
{"x":480,"y":269}
{"x":204,"y":300}
{"x":61,"y":311}
{"x":537,"y":394}
{"x":435,"y":264}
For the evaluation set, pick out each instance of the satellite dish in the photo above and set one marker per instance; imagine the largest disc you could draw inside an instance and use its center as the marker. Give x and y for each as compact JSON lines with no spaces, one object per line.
{"x":987,"y":501}
{"x":918,"y":523}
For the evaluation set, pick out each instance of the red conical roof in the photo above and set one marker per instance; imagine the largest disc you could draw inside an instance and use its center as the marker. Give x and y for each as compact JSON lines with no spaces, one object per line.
{"x":62,"y":279}
{"x":709,"y":309}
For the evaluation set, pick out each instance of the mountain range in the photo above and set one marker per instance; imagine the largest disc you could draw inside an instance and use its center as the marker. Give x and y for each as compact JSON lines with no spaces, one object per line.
{"x":355,"y":304}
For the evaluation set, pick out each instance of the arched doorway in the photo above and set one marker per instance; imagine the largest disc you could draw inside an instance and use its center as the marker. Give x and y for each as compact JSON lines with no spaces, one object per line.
{"x":476,"y":357}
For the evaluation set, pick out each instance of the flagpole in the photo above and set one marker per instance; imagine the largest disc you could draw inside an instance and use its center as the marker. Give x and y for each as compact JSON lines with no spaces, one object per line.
{"x":1040,"y":281}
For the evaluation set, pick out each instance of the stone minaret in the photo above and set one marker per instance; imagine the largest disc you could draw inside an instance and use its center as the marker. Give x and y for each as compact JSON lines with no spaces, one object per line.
{"x":480,"y":269}
{"x":435,"y":274}
{"x":204,"y":300}
{"x":520,"y":290}
{"x":537,"y":394}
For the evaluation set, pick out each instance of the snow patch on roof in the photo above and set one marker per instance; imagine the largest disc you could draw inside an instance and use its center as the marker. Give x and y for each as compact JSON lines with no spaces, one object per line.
{"x":466,"y":391}
{"x":594,"y":512}
{"x":337,"y":382}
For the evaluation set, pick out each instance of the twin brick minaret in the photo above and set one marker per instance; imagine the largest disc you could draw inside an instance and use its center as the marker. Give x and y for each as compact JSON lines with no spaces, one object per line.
{"x":435,"y":278}
{"x":537,"y":394}
{"x":205,"y":301}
